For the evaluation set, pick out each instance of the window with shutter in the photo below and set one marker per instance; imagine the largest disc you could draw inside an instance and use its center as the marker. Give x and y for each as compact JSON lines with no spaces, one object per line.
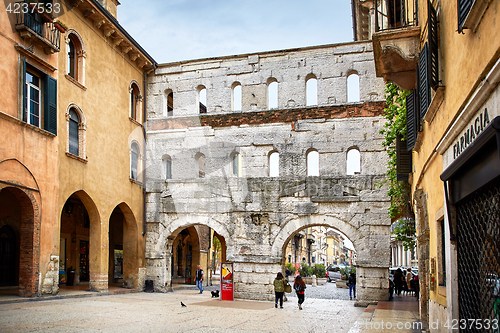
{"x":403,"y":159}
{"x":74,"y":123}
{"x":463,"y":7}
{"x":39,"y":99}
{"x":412,"y":119}
{"x":424,"y":91}
{"x":432,"y":30}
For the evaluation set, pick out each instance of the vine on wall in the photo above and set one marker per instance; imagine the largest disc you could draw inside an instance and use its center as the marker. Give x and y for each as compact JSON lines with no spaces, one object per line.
{"x":399,"y":191}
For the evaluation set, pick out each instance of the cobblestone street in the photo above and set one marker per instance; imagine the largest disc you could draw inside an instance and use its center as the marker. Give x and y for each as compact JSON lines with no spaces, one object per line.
{"x":157,"y":312}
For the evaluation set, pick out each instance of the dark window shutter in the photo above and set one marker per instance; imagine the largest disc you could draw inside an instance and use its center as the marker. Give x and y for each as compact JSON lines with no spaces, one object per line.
{"x":25,"y":91}
{"x":424,"y":89}
{"x":432,"y":29}
{"x":73,"y":133}
{"x":412,"y":119}
{"x":463,"y":7}
{"x":403,"y":159}
{"x":50,"y":105}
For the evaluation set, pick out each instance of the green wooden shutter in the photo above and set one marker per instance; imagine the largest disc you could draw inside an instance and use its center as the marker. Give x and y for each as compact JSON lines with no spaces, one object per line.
{"x":412,"y":119}
{"x":403,"y":159}
{"x":463,"y":8}
{"x":424,"y":88}
{"x":50,"y":105}
{"x":432,"y":30}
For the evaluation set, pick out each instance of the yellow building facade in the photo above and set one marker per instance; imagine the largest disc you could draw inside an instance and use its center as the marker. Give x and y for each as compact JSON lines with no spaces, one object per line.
{"x":79,"y":169}
{"x":448,"y":54}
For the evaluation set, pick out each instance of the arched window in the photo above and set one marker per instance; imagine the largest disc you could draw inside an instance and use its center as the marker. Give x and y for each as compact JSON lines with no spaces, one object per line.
{"x":167,"y":166}
{"x":134,"y":160}
{"x":236,"y":97}
{"x":272,"y":93}
{"x":353,"y":161}
{"x":311,"y":90}
{"x":202,"y":98}
{"x":75,"y":127}
{"x":135,"y":101}
{"x":200,"y":165}
{"x":313,"y":163}
{"x":75,"y":62}
{"x":236,"y":164}
{"x":74,"y":124}
{"x":274,"y":164}
{"x":168,"y":102}
{"x":353,"y":87}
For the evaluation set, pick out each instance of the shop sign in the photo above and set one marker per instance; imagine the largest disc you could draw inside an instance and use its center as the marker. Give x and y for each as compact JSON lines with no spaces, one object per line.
{"x":470,"y":134}
{"x":226,"y":281}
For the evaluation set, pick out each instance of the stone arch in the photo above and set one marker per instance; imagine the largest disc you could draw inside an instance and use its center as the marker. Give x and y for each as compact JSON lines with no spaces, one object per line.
{"x":295,"y":225}
{"x":29,"y":239}
{"x":159,"y":252}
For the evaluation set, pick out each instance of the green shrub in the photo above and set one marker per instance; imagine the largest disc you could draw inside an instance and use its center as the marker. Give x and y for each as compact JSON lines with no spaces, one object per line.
{"x":319,"y":270}
{"x":346,"y":271}
{"x":305,"y":270}
{"x":291,"y":267}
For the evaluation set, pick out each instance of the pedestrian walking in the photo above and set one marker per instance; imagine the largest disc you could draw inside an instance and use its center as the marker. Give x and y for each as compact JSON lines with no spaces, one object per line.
{"x":279,"y":290}
{"x":352,"y":285}
{"x":199,"y":278}
{"x":409,"y":278}
{"x":300,"y":288}
{"x":398,"y":281}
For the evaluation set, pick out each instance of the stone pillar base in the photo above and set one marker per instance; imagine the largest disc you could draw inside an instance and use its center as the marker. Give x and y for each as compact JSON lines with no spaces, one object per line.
{"x":98,"y":282}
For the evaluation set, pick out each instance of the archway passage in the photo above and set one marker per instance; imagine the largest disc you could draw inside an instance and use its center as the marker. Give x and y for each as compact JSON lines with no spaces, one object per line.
{"x":19,"y":241}
{"x":123,"y":248}
{"x":185,"y":256}
{"x":74,"y":250}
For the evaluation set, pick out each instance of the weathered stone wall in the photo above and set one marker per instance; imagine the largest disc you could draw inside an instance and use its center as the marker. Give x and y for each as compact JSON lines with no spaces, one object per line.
{"x":255,"y":213}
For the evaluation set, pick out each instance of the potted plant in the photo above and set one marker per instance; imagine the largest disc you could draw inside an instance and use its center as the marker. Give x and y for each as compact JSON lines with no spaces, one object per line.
{"x":60,"y":26}
{"x":320,"y":271}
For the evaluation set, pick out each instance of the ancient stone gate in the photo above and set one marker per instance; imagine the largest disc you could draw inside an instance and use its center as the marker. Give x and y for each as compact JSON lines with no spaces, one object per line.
{"x":245,"y":173}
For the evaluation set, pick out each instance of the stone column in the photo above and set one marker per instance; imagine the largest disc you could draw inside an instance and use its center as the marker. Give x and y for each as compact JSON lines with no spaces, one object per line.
{"x":254,"y":280}
{"x":422,"y":226}
{"x":372,"y":285}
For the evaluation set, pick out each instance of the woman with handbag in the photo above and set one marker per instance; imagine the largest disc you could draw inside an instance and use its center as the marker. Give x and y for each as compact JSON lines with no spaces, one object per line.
{"x":300,"y":287}
{"x":279,"y":290}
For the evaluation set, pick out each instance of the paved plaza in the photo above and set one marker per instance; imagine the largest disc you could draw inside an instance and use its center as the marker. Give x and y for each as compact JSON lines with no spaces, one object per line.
{"x":162,"y":312}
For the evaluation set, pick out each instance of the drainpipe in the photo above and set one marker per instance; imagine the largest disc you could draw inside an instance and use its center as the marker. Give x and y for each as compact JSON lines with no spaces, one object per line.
{"x":144,"y":155}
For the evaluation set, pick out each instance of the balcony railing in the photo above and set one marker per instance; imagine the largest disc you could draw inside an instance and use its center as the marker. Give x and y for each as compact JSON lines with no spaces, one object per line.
{"x":395,"y":14}
{"x":45,"y":31}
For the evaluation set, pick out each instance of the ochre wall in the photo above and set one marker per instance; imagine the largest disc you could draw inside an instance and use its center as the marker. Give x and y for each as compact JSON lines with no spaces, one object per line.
{"x":464,"y":60}
{"x":104,"y":101}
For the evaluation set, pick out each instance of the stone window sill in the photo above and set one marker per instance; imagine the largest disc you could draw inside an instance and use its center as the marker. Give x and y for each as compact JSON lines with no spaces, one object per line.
{"x":78,"y":84}
{"x":78,"y":158}
{"x":135,"y":121}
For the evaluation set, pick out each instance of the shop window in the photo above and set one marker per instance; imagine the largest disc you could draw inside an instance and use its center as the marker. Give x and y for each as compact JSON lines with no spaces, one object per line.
{"x":441,"y":252}
{"x":236,"y":97}
{"x":353,"y":161}
{"x":135,"y":101}
{"x":353,"y":87}
{"x":274,"y":164}
{"x":39,"y":99}
{"x":313,"y":163}
{"x":311,"y":90}
{"x":202,"y":99}
{"x":272,"y":93}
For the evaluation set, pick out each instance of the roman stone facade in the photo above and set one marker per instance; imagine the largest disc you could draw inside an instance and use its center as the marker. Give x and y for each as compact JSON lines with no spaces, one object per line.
{"x":215,"y":168}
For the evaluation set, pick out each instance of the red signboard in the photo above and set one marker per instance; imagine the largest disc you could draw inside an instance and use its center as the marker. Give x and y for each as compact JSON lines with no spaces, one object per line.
{"x":226,"y":281}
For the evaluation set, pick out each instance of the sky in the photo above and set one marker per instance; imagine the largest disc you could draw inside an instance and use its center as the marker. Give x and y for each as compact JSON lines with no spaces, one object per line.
{"x":176,"y":30}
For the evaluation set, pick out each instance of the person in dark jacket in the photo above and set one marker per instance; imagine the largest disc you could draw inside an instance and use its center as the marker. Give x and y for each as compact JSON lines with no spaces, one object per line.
{"x":279,"y":289}
{"x":300,"y":288}
{"x":352,"y":285}
{"x":398,"y":281}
